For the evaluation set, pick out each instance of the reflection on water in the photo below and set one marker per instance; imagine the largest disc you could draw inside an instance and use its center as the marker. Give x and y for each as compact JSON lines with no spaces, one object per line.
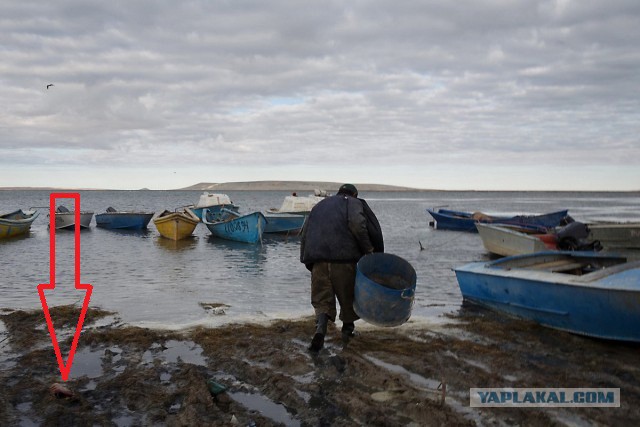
{"x":145,"y":232}
{"x":189,"y":242}
{"x":239,"y":256}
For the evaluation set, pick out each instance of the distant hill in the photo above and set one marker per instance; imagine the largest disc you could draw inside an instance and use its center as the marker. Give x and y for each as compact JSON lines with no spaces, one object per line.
{"x":331,"y":187}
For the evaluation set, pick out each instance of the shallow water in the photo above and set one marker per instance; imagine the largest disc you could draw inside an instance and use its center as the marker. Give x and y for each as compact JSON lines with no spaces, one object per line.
{"x":153,"y":281}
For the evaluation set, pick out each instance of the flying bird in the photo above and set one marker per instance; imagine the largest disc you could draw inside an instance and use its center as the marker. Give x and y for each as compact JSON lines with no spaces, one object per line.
{"x":49,"y":85}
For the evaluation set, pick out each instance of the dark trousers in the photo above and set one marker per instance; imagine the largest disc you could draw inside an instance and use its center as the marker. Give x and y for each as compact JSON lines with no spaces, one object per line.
{"x":330,"y":281}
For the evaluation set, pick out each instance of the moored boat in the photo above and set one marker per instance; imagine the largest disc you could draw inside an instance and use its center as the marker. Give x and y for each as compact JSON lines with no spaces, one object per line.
{"x":176,"y":225}
{"x":231,"y":225}
{"x":113,"y":219}
{"x":507,"y":240}
{"x":214,"y":202}
{"x":66,"y":219}
{"x":446,"y":219}
{"x":613,"y":236}
{"x":292,"y":214}
{"x":580,"y":292}
{"x":299,"y":204}
{"x":16,"y":223}
{"x":284,"y":223}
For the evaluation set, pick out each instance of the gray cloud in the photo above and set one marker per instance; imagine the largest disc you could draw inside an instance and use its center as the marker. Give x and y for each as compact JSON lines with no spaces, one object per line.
{"x":253,"y":83}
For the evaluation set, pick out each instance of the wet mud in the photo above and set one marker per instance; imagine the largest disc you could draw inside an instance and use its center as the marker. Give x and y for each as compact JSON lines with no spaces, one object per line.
{"x":264,"y":375}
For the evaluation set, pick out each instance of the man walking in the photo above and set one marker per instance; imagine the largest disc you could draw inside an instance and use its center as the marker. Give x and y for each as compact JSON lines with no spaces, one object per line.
{"x":338,"y":232}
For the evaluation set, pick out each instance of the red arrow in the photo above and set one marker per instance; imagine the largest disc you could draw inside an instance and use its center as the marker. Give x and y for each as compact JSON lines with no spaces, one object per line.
{"x":64,"y":368}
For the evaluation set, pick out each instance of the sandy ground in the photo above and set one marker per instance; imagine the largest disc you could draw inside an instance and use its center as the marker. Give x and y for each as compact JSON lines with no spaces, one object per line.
{"x":124,"y":375}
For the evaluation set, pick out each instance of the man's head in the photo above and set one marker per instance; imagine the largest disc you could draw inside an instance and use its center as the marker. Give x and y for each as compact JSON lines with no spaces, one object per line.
{"x":349,"y":189}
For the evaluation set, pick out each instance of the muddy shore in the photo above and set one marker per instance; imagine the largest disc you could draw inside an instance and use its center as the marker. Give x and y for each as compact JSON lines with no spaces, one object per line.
{"x":247,"y":374}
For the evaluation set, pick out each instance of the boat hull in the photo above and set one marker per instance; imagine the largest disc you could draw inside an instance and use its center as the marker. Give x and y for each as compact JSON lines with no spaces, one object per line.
{"x":67,"y":220}
{"x":16,"y":223}
{"x":176,"y":225}
{"x":245,"y":228}
{"x":284,"y":223}
{"x":505,"y":241}
{"x":603,"y":304}
{"x":123,"y":220}
{"x":464,"y":221}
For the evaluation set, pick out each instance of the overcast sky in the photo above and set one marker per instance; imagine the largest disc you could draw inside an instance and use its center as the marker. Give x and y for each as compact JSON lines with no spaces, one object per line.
{"x":466,"y":94}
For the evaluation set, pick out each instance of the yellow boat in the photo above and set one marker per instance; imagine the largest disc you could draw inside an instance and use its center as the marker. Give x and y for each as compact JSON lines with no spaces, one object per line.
{"x":16,"y":222}
{"x":176,"y":225}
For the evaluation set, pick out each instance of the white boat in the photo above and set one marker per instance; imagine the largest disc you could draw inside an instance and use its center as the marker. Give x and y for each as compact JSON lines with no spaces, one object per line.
{"x":507,"y":240}
{"x":214,"y":202}
{"x":299,"y":204}
{"x":619,"y":238}
{"x":614,"y":236}
{"x":284,"y":223}
{"x":66,"y":219}
{"x":294,"y":211}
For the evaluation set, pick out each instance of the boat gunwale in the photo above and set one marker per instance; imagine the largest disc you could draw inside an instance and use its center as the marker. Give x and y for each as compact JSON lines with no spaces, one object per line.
{"x":587,"y":280}
{"x":232,"y":218}
{"x":21,"y":221}
{"x":187,"y":217}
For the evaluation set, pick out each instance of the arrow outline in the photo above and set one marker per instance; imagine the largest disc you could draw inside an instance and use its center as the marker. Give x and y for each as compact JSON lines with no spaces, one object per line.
{"x":65,"y":369}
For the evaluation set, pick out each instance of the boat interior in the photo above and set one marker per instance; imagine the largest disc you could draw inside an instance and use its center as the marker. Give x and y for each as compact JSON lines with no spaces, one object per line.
{"x":558,"y":262}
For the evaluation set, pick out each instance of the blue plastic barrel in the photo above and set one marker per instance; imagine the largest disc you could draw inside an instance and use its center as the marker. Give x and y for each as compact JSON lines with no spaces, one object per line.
{"x":384,"y":289}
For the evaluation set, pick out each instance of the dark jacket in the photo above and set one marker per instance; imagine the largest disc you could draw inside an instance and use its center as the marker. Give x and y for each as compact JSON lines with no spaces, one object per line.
{"x":373,"y":226}
{"x":339,"y":229}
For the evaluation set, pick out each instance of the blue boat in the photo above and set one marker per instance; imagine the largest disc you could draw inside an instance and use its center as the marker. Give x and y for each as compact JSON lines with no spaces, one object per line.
{"x":446,"y":219}
{"x":580,"y":292}
{"x":231,"y":225}
{"x":284,"y":223}
{"x":112,"y":219}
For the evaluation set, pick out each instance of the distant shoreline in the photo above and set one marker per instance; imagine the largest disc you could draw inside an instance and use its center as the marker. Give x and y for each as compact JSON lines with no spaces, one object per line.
{"x":303,"y":186}
{"x":331,"y":187}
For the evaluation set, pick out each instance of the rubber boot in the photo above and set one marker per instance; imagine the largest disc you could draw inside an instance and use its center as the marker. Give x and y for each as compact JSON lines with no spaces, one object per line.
{"x":348,"y":329}
{"x":321,"y":330}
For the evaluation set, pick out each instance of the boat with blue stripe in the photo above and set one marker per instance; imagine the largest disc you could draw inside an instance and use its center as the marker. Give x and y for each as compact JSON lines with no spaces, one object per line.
{"x":231,"y":225}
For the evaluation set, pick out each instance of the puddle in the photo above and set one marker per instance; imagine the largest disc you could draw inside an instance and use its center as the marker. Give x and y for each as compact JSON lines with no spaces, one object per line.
{"x":87,"y":362}
{"x":90,"y":386}
{"x":187,"y":351}
{"x":24,"y":407}
{"x":265,"y":407}
{"x":172,"y":350}
{"x":125,"y":420}
{"x":419,"y":380}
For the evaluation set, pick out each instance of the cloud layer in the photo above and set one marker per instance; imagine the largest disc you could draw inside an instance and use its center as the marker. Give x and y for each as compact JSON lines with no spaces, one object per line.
{"x":466,"y":94}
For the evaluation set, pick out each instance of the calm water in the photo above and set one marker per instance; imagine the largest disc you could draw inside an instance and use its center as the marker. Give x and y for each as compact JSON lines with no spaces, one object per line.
{"x":157,"y":282}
